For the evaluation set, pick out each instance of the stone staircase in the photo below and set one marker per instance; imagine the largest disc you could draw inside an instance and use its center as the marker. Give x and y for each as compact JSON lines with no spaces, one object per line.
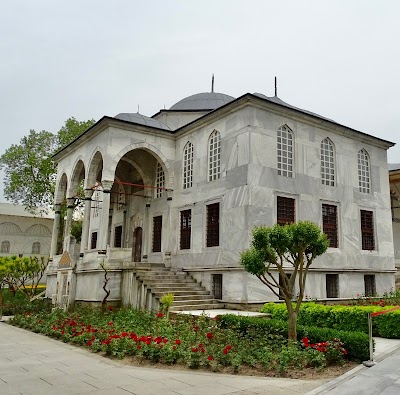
{"x":188,"y":294}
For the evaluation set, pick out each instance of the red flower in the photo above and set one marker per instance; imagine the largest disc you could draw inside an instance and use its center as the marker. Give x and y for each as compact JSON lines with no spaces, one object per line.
{"x":195,"y":349}
{"x":210,"y":358}
{"x":124,"y":334}
{"x":107,"y":341}
{"x":209,"y":335}
{"x":178,"y":342}
{"x":174,"y":348}
{"x":159,"y":315}
{"x":110,"y":323}
{"x":305,"y":341}
{"x":89,"y":343}
{"x":228,"y":347}
{"x":110,"y":308}
{"x":139,"y":347}
{"x":225,"y":351}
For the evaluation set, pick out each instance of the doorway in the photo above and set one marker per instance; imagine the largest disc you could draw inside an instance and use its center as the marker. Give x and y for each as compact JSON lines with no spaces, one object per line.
{"x":137,"y":245}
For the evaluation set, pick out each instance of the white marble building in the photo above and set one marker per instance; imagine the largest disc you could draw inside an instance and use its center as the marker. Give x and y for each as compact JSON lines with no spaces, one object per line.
{"x":394,"y":178}
{"x":186,"y":186}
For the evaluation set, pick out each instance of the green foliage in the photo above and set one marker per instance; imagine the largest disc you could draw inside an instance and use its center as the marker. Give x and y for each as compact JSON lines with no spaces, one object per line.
{"x":29,"y":171}
{"x":76,"y":230}
{"x":19,"y":303}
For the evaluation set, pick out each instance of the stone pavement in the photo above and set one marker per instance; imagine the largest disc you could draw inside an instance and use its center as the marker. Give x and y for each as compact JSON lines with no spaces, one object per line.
{"x":32,"y":364}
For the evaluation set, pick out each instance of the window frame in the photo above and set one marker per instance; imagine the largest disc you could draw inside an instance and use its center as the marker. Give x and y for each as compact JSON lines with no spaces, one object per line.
{"x":214,"y":156}
{"x":364,"y":171}
{"x":335,"y":285}
{"x":366,"y":232}
{"x":213,"y":227}
{"x":285,"y":155}
{"x":327,"y":226}
{"x":35,"y":250}
{"x":94,"y":236}
{"x":372,"y":285}
{"x":160,"y":181}
{"x":188,"y":163}
{"x":119,"y":226}
{"x":7,"y":245}
{"x":157,"y":234}
{"x":328,"y":162}
{"x":185,"y":233}
{"x":282,"y":199}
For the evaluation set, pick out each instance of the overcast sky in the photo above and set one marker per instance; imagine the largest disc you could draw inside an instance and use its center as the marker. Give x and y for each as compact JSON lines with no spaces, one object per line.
{"x":89,"y":58}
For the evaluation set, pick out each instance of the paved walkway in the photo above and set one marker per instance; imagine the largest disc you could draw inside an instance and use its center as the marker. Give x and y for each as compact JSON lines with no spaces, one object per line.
{"x":31,"y":364}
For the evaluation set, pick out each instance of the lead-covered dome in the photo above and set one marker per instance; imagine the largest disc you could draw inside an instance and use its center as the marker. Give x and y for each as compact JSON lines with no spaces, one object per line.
{"x":141,"y":120}
{"x":202,"y":101}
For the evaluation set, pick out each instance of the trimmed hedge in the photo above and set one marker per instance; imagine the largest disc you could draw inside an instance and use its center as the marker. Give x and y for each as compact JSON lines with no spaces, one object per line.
{"x":346,"y":318}
{"x":356,"y":343}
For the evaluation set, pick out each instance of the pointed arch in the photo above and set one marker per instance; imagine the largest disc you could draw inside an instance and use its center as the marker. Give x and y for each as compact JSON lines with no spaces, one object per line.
{"x":364,"y":171}
{"x":328,"y":169}
{"x":78,"y":174}
{"x":188,"y":165}
{"x":94,"y":169}
{"x":285,"y":156}
{"x":61,"y":189}
{"x":214,"y":156}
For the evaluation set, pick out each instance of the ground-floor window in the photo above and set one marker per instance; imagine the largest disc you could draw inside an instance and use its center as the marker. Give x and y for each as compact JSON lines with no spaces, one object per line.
{"x":212,"y":225}
{"x":367,"y":230}
{"x":118,"y":236}
{"x":369,"y":285}
{"x":285,"y":210}
{"x":93,"y":241}
{"x":186,"y":229}
{"x":217,"y":285}
{"x":329,"y":224}
{"x":332,"y":285}
{"x":157,"y":229}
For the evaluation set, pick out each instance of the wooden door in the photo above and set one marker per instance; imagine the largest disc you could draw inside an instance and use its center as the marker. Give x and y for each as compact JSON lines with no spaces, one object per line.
{"x":137,"y":245}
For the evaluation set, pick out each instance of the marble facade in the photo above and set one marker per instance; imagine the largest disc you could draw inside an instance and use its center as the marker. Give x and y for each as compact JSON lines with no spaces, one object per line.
{"x":117,"y":161}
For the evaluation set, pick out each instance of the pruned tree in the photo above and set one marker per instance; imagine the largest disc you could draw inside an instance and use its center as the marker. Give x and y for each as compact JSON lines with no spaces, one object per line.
{"x":106,"y":270}
{"x":280,"y":257}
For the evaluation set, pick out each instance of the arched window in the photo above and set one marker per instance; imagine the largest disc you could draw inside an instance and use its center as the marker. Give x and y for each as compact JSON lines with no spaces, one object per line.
{"x":36,"y":248}
{"x":160,"y":180}
{"x":214,"y":156}
{"x":188,"y":165}
{"x":327,"y":163}
{"x":364,"y":181}
{"x":5,"y":247}
{"x":285,"y":151}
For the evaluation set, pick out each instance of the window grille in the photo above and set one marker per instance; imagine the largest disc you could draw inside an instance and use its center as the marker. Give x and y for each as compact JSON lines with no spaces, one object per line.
{"x":217,"y":286}
{"x":5,"y":247}
{"x":118,"y":236}
{"x":188,"y":165}
{"x":36,"y":248}
{"x":213,"y":225}
{"x":329,"y":224}
{"x":214,"y":156}
{"x":364,"y":182}
{"x":96,"y":204}
{"x":285,"y":152}
{"x":121,"y":197}
{"x":285,"y":210}
{"x":327,"y":163}
{"x":186,"y":229}
{"x":369,"y":285}
{"x":160,"y":180}
{"x":332,"y":285}
{"x":367,"y":230}
{"x":157,"y":229}
{"x":93,"y":241}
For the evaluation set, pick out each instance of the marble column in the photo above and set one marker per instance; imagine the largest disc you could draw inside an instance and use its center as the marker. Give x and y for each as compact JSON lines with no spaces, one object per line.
{"x":104,"y":213}
{"x":86,"y":221}
{"x":110,"y":215}
{"x":168,"y":229}
{"x":68,"y":222}
{"x":146,"y":229}
{"x":56,"y":230}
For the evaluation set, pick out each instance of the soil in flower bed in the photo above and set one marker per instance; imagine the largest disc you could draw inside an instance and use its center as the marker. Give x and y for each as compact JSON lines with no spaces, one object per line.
{"x":149,"y":339}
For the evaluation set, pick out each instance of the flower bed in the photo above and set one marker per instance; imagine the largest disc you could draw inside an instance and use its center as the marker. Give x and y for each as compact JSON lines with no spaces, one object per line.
{"x":346,"y":318}
{"x":191,"y":341}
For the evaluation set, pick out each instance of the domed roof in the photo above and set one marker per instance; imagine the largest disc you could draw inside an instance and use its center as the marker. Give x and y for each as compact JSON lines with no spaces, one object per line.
{"x":202,"y":101}
{"x":141,"y":119}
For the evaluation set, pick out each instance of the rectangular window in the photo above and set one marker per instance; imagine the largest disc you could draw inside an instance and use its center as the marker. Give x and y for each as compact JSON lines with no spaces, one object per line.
{"x":367,"y":230}
{"x":329,"y":224}
{"x":118,"y":236}
{"x":332,"y":285}
{"x":369,"y":285}
{"x":157,"y":228}
{"x":217,"y":285}
{"x":213,"y":225}
{"x":186,"y":229}
{"x":93,"y":241}
{"x":285,"y":210}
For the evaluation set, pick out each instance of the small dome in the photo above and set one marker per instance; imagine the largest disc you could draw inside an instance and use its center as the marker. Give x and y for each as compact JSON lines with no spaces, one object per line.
{"x":141,"y":119}
{"x":202,"y":101}
{"x":9,"y":228}
{"x":38,"y":230}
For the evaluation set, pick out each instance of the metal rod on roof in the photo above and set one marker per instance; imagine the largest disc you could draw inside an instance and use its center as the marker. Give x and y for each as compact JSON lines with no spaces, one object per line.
{"x":212,"y":83}
{"x":276,"y":87}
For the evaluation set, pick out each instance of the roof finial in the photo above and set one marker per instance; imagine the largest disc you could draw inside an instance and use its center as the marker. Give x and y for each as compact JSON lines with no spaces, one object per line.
{"x":138,"y":108}
{"x":276,"y":87}
{"x":212,"y":83}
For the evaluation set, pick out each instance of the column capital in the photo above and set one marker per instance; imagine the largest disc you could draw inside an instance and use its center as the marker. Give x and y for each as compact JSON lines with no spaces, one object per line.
{"x":88,"y":194}
{"x":107,"y":185}
{"x":57,"y":208}
{"x":71,"y":202}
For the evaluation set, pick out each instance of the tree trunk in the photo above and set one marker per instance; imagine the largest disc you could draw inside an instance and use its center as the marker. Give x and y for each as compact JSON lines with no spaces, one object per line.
{"x":292,"y":324}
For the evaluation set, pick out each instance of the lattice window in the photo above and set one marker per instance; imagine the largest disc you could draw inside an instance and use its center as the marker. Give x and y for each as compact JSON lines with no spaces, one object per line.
{"x":118,"y":236}
{"x":186,"y":229}
{"x":188,"y":165}
{"x":36,"y":247}
{"x":157,"y":230}
{"x":332,"y":285}
{"x":369,"y":285}
{"x":327,"y":163}
{"x":329,"y":224}
{"x":96,"y":204}
{"x":285,"y":152}
{"x":5,"y":247}
{"x":213,"y":225}
{"x":160,"y":180}
{"x":364,"y":180}
{"x":367,"y":230}
{"x":93,"y":241}
{"x":214,"y":156}
{"x":285,"y":210}
{"x":121,"y":197}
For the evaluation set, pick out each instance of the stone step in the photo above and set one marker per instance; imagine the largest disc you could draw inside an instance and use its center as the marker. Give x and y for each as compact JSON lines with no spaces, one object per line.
{"x":176,"y":292}
{"x":197,"y":302}
{"x":166,"y":279}
{"x":196,"y":307}
{"x":167,"y":284}
{"x":177,"y":298}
